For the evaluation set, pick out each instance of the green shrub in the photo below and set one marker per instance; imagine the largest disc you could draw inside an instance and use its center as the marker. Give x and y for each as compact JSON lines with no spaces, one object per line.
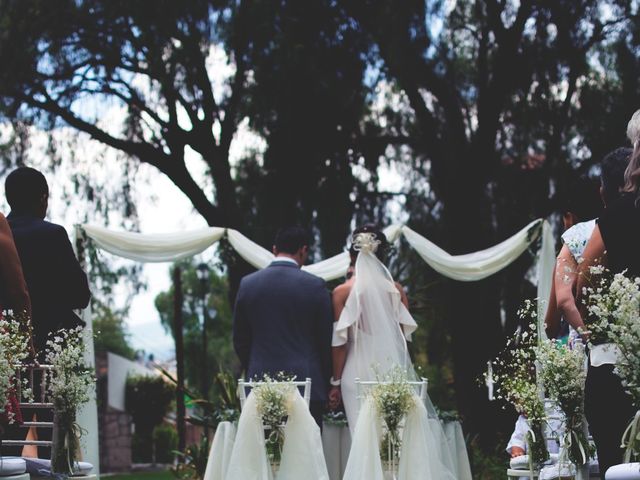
{"x":147,"y":400}
{"x":165,"y":440}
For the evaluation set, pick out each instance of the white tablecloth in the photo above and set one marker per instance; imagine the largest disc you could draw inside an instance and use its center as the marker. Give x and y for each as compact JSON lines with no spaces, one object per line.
{"x":336,"y":442}
{"x":455,"y":437}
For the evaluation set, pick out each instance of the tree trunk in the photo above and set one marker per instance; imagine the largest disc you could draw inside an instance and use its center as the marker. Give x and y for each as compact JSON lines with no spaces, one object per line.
{"x":177,"y":335}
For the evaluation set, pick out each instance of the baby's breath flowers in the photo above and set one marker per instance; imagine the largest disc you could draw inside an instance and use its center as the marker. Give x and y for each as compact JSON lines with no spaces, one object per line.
{"x":394,"y":398}
{"x":69,"y":385}
{"x":613,"y":304}
{"x":563,"y":374}
{"x":14,"y":350}
{"x":273,"y":398}
{"x":514,"y":375}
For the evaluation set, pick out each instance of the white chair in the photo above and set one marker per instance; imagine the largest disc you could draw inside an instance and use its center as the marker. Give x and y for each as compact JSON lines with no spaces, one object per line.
{"x":43,"y":402}
{"x":624,"y":471}
{"x":363,"y":385}
{"x":244,"y":385}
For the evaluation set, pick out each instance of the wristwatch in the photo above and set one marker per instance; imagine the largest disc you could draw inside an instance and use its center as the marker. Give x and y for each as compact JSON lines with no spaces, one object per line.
{"x":334,"y":382}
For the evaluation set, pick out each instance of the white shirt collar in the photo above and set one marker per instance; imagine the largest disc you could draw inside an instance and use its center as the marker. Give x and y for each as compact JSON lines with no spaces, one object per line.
{"x":286,"y":259}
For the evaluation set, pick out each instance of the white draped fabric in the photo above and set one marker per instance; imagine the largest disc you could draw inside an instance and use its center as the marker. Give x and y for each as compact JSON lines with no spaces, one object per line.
{"x":475,"y":266}
{"x":467,"y":268}
{"x":302,"y":455}
{"x":220,"y":452}
{"x":159,"y":247}
{"x":423,"y":454}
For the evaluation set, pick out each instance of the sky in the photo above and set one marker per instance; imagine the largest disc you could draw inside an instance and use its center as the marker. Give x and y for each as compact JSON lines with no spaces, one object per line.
{"x":161,"y":207}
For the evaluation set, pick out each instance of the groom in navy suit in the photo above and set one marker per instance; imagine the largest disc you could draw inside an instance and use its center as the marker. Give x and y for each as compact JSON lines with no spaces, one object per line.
{"x":283,"y":319}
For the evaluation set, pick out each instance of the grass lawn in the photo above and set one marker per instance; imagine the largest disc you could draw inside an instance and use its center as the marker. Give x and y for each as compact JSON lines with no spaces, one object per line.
{"x":166,"y":475}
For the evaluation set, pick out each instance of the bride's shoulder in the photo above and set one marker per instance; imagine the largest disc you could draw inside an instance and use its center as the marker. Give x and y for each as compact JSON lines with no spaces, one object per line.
{"x":343,"y":289}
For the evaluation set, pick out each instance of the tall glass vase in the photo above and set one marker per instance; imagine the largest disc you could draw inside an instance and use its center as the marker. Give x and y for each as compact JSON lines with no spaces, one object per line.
{"x":66,"y":444}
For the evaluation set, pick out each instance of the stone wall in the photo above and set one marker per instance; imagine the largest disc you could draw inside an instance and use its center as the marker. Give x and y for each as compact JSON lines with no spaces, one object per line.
{"x":114,"y":426}
{"x":115,"y":441}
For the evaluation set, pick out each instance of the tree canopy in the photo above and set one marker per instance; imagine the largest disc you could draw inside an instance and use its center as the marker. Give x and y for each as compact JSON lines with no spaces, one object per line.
{"x":485,"y":109}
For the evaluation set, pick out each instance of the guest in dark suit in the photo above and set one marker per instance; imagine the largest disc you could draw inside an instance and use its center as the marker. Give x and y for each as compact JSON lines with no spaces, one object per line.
{"x":283,"y":319}
{"x":56,"y":282}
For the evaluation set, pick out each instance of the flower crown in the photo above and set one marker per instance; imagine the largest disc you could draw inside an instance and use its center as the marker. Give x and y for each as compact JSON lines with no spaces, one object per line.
{"x":366,"y":242}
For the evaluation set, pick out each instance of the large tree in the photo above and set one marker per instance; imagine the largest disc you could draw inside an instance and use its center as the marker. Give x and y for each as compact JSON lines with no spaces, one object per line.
{"x":486,"y":83}
{"x":468,"y":89}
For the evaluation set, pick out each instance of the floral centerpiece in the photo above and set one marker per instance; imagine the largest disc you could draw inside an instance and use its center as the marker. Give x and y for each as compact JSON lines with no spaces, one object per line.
{"x":613,"y":304}
{"x":14,"y":350}
{"x":563,"y":375}
{"x":393,"y":398}
{"x":272,"y":403}
{"x":514,"y":374}
{"x":69,"y":384}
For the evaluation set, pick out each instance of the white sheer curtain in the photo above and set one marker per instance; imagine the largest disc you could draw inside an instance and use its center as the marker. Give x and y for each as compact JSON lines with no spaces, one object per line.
{"x":159,"y":247}
{"x":475,"y":266}
{"x":469,"y":267}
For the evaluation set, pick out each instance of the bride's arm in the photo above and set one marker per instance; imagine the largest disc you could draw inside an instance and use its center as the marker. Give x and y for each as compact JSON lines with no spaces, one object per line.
{"x":403,"y":295}
{"x":339,"y":353}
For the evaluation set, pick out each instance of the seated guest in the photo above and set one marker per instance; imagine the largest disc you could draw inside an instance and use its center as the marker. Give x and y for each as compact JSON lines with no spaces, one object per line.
{"x":57,"y":284}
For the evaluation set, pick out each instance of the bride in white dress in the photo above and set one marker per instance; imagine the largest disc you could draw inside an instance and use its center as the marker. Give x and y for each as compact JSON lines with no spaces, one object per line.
{"x":372,"y":322}
{"x":370,"y":340}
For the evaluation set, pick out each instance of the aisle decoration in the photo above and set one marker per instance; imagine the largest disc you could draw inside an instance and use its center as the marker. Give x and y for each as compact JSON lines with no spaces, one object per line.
{"x":514,"y":378}
{"x":69,"y":385}
{"x":393,"y":397}
{"x":563,"y":374}
{"x":272,"y":402}
{"x":614,"y":316}
{"x":14,"y":350}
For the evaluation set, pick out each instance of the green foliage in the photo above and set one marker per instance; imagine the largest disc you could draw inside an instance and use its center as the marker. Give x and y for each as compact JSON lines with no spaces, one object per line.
{"x":220,"y":354}
{"x":165,"y":441}
{"x":193,"y":461}
{"x":147,"y":400}
{"x":110,"y":333}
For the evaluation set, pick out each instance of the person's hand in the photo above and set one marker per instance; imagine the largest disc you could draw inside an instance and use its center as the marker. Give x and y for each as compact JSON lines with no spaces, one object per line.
{"x":517,"y":452}
{"x":335,"y":398}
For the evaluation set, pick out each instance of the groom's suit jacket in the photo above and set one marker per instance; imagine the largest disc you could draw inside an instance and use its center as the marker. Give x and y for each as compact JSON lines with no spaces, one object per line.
{"x":283,"y":321}
{"x":56,"y":282}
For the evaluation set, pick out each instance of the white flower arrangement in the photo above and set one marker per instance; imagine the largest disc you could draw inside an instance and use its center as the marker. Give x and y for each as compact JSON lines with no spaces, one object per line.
{"x":563,"y":374}
{"x":394,"y":398}
{"x":14,"y":350}
{"x":514,"y":375}
{"x":68,"y":385}
{"x":613,"y":305}
{"x":273,"y":399}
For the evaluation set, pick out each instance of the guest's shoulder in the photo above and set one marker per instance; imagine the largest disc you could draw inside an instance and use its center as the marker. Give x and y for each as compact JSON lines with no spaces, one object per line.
{"x":53,"y":229}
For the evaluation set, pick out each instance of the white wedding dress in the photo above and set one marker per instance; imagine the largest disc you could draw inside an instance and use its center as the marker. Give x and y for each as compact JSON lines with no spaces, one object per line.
{"x":375,"y":326}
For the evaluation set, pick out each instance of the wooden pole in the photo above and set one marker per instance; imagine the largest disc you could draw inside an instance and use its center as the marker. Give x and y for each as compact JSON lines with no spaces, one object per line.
{"x":177,"y":335}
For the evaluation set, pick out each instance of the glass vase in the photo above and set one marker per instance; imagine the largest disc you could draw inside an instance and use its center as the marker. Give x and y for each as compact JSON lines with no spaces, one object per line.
{"x":66,"y":445}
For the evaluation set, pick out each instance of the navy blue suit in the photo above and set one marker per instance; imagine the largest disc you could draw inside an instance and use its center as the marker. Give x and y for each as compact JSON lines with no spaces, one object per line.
{"x":57,"y":284}
{"x":283,"y":321}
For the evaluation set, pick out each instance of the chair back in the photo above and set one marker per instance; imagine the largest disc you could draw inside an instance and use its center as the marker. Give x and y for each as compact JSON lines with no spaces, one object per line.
{"x":244,"y":385}
{"x":33,"y":373}
{"x":362,"y":386}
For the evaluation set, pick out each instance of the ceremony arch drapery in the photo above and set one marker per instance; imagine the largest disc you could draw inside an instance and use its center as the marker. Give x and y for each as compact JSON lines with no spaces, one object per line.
{"x":468,"y":267}
{"x":170,"y":247}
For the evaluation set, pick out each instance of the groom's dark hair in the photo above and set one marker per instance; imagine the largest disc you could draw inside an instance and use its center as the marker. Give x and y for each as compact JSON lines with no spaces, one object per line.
{"x":291,"y":239}
{"x":24,"y":187}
